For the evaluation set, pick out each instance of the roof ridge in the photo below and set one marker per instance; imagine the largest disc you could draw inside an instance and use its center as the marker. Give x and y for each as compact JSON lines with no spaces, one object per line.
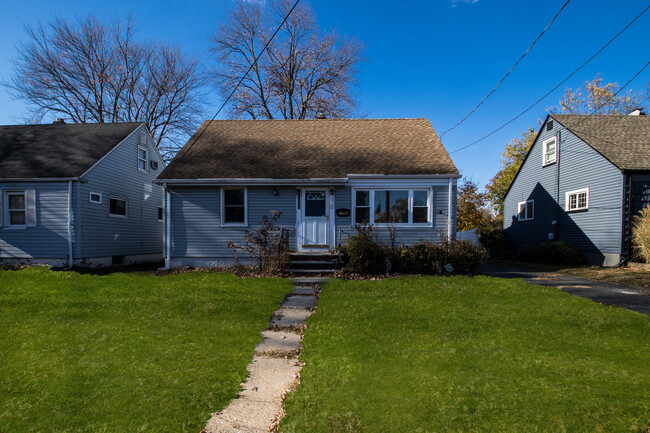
{"x":313,"y":120}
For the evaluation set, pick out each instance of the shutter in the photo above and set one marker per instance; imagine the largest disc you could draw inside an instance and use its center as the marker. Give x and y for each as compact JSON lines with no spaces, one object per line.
{"x":30,"y":208}
{"x":2,"y":209}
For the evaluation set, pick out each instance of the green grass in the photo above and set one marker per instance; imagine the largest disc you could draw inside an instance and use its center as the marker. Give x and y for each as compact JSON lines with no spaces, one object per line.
{"x":125,"y":352}
{"x":469,"y":355}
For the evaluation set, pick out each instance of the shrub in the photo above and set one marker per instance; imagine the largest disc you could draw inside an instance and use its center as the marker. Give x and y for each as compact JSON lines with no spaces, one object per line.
{"x":493,"y":240}
{"x":265,"y":244}
{"x":641,"y":234}
{"x":362,"y":255}
{"x":554,"y":253}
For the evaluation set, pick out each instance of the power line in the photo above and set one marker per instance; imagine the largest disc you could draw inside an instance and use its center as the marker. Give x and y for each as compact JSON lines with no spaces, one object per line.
{"x":554,"y":88}
{"x":511,"y":69}
{"x":243,"y":76}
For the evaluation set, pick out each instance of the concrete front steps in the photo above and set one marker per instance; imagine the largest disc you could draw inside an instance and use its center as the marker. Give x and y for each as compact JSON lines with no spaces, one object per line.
{"x":313,"y":263}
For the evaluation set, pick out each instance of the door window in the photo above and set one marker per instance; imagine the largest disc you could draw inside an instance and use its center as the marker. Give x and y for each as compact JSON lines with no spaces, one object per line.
{"x":315,"y":203}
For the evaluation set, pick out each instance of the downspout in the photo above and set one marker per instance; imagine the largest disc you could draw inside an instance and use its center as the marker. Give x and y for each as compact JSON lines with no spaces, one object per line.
{"x":556,"y":229}
{"x":168,"y":224}
{"x":70,"y":257}
{"x":449,"y":207}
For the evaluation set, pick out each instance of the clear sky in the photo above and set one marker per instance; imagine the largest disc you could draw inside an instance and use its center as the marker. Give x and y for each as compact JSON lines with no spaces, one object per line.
{"x":436,"y":58}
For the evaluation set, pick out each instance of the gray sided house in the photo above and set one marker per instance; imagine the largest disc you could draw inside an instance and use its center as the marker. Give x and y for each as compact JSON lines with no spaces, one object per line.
{"x":323,"y":175}
{"x":79,"y":194}
{"x":582,"y":181}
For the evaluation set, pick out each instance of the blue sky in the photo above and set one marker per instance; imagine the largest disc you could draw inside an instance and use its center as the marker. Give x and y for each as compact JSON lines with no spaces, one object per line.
{"x":435,"y":59}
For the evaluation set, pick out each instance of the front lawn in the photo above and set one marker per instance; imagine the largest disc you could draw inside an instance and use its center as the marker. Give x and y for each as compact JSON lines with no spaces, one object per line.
{"x":469,"y":355}
{"x":125,"y":352}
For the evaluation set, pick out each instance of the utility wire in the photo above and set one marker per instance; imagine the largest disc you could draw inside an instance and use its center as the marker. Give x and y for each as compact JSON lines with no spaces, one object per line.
{"x":554,"y":88}
{"x":511,"y":69}
{"x":243,"y":76}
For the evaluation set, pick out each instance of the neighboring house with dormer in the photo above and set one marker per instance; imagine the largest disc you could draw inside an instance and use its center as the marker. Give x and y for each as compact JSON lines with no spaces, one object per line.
{"x":79,"y":194}
{"x":324,"y":176}
{"x":582,"y":181}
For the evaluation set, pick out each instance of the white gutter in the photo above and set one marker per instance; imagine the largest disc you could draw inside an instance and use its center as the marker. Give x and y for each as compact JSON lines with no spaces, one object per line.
{"x":70,"y":253}
{"x":250,"y":181}
{"x":449,"y":207}
{"x":404,"y":176}
{"x":41,"y":179}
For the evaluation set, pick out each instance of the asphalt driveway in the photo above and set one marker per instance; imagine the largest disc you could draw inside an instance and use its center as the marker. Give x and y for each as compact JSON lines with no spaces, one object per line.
{"x":604,"y":293}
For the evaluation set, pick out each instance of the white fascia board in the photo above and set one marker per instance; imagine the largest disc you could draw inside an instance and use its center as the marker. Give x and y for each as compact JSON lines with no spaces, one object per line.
{"x":40,"y":179}
{"x":254,"y":181}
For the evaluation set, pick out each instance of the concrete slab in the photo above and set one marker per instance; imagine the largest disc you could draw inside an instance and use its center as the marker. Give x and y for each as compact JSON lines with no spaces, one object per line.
{"x":310,"y":280}
{"x":289,"y":318}
{"x":302,"y":301}
{"x":279,"y":344}
{"x":260,"y":401}
{"x":305,"y":291}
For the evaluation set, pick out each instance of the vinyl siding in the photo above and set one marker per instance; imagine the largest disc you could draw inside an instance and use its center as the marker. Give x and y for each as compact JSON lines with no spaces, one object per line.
{"x":117,"y":175}
{"x":597,"y":230}
{"x":196,"y":229}
{"x":49,"y":239}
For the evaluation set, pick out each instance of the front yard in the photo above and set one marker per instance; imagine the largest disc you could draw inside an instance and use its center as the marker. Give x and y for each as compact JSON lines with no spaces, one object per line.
{"x":469,"y":355}
{"x":125,"y":352}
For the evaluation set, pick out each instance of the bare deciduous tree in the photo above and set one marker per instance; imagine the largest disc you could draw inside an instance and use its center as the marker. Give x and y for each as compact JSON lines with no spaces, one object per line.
{"x":303,"y":72}
{"x":87,"y":71}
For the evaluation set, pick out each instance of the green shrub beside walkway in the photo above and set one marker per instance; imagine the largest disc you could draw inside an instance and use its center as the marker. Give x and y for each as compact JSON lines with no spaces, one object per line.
{"x":469,"y":355}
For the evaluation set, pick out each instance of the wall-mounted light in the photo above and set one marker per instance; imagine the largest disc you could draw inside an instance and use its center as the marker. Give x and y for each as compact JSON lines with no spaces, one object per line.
{"x":442,"y":212}
{"x":275,"y":191}
{"x":331,"y":191}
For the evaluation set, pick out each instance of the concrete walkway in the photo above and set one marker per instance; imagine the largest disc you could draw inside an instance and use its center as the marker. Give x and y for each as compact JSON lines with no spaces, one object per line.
{"x":275,"y":369}
{"x":599,"y":291}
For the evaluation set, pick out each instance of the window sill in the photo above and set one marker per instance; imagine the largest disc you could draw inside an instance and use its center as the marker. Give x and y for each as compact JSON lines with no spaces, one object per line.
{"x":15,"y":228}
{"x":584,"y":209}
{"x":118,"y":216}
{"x":233,"y":225}
{"x":549,"y":163}
{"x":527,"y":219}
{"x":401,"y":226}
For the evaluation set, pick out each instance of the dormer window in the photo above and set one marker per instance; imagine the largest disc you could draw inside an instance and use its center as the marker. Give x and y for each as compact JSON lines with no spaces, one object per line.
{"x":550,"y":151}
{"x":143,"y":158}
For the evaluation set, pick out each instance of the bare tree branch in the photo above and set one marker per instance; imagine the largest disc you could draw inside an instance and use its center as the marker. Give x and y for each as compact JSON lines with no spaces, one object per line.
{"x":89,"y":71}
{"x":303,"y":73}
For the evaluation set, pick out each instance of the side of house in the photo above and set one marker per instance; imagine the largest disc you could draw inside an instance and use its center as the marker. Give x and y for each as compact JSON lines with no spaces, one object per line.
{"x":120,"y":208}
{"x":566,"y":190}
{"x":79,"y":195}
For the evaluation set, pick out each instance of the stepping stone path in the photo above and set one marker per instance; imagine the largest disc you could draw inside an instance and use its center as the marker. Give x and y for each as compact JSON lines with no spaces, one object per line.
{"x":275,"y":369}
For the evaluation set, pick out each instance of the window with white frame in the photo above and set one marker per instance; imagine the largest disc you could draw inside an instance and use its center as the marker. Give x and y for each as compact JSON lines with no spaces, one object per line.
{"x":143,"y":158}
{"x":16,"y":213}
{"x":577,"y":200}
{"x":118,"y":207}
{"x":95,"y":198}
{"x":526,"y":210}
{"x":391,"y":206}
{"x":233,"y":206}
{"x":550,"y":151}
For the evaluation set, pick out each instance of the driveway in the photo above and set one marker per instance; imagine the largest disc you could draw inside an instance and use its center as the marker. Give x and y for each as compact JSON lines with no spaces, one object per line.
{"x":604,"y":293}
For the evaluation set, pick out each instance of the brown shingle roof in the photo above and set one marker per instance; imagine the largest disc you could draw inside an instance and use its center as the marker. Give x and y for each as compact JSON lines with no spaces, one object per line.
{"x":623,"y":140}
{"x":304,"y":149}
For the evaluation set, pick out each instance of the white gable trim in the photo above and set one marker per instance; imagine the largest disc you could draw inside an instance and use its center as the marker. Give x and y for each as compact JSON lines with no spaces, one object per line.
{"x":111,"y":151}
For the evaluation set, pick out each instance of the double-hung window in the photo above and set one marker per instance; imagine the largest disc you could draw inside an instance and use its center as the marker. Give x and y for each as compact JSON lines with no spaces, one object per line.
{"x":16,"y":209}
{"x":233,"y":206}
{"x":143,"y":158}
{"x":577,"y":200}
{"x":550,"y":151}
{"x":391,"y":206}
{"x":117,"y":207}
{"x":526,"y":210}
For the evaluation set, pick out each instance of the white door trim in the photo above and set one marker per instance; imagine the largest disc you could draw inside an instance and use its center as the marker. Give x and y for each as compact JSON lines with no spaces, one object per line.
{"x":300,"y":219}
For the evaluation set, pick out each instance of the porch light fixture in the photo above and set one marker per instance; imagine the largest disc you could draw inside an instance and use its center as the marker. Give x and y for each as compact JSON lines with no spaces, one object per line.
{"x":275,"y":191}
